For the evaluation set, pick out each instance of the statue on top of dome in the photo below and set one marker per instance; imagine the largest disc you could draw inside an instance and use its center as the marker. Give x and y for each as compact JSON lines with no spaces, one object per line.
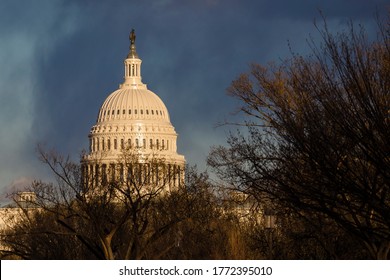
{"x":132,"y":53}
{"x":132,"y":36}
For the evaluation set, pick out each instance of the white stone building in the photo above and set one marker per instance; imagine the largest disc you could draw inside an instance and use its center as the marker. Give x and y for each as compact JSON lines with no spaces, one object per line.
{"x":18,"y":211}
{"x":133,"y":120}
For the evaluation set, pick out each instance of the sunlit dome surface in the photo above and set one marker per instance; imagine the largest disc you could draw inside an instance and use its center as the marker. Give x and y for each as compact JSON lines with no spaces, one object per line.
{"x":128,"y":104}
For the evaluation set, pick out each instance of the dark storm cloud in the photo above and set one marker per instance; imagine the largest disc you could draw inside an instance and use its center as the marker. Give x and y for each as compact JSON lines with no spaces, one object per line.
{"x":62,"y":58}
{"x":22,"y":29}
{"x":307,"y":9}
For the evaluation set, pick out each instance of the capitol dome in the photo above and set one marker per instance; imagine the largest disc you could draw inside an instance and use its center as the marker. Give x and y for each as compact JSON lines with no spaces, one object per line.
{"x":132,"y":118}
{"x":128,"y":104}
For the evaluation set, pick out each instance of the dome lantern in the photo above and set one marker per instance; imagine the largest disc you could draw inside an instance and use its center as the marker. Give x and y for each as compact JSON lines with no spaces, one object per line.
{"x":132,"y":64}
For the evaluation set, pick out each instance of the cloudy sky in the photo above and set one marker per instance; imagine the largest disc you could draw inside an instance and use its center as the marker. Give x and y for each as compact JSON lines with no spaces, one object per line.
{"x":59,"y":60}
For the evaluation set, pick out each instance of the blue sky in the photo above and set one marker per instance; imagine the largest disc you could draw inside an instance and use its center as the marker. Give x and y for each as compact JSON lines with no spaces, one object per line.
{"x":60,"y":59}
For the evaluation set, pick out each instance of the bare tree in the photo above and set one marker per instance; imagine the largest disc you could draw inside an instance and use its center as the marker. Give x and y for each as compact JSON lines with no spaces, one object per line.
{"x":318,"y":135}
{"x":36,"y":235}
{"x":131,"y":210}
{"x":207,"y":232}
{"x":108,"y":214}
{"x":98,"y":217}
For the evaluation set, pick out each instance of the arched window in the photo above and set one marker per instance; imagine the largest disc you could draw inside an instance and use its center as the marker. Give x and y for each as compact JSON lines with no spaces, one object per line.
{"x":115,"y":144}
{"x":108,"y":144}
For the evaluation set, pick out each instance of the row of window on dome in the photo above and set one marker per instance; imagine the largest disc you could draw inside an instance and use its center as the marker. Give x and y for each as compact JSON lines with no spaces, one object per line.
{"x":97,"y":144}
{"x":135,"y":112}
